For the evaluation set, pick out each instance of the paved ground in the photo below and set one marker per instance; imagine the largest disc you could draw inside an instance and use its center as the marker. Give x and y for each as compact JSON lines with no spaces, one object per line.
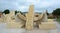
{"x":3,"y":29}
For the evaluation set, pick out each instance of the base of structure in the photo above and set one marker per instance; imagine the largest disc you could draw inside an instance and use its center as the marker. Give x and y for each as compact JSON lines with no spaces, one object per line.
{"x":47,"y":25}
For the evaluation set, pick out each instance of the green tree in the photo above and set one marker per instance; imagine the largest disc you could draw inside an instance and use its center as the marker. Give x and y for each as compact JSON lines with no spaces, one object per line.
{"x":56,"y":12}
{"x":6,"y":11}
{"x":21,"y":12}
{"x":47,"y":12}
{"x":16,"y":12}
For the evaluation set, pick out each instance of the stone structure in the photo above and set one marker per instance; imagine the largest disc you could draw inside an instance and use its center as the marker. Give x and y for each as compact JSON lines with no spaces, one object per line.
{"x":30,"y":16}
{"x":9,"y":17}
{"x":47,"y":25}
{"x":29,"y":21}
{"x":42,"y":21}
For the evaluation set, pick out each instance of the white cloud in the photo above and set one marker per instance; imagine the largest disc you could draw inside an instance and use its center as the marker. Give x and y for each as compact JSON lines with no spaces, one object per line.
{"x":46,"y":3}
{"x":23,"y":8}
{"x":23,"y":5}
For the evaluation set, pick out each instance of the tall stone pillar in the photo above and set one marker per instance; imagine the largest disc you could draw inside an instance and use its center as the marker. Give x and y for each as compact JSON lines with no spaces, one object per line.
{"x":30,"y":16}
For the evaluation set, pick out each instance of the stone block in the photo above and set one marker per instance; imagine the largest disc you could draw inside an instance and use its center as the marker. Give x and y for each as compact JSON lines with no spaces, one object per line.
{"x":47,"y":25}
{"x":14,"y":25}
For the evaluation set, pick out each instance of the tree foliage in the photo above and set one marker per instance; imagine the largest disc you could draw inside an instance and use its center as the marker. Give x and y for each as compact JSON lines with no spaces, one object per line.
{"x":18,"y":12}
{"x":56,"y":12}
{"x":7,"y":11}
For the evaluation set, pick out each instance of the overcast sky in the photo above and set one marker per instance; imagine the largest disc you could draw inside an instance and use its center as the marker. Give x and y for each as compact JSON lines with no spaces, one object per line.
{"x":23,"y":5}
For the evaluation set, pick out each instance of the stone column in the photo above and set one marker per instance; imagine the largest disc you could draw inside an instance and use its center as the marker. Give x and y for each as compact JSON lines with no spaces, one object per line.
{"x":30,"y":16}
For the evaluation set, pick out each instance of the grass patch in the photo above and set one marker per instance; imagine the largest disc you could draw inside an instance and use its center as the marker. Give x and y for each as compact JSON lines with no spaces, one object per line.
{"x":50,"y":18}
{"x":58,"y":19}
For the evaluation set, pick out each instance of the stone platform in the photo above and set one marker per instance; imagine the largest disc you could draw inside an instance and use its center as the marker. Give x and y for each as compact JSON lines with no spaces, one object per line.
{"x":15,"y":25}
{"x":47,"y":25}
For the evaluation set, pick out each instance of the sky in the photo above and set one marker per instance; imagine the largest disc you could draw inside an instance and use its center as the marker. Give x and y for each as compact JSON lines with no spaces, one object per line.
{"x":23,"y":5}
